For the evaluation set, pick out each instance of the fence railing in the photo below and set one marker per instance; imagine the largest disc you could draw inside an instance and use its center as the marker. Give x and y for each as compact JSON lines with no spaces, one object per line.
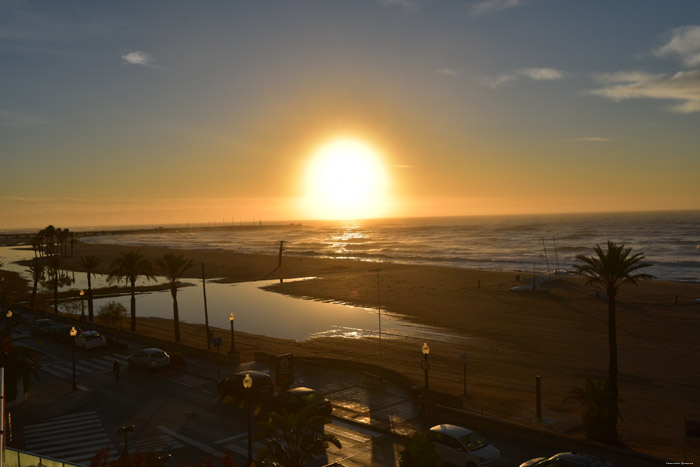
{"x":17,"y":458}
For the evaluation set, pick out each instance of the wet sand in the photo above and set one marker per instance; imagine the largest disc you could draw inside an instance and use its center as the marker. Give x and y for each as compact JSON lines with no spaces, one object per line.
{"x":560,"y":335}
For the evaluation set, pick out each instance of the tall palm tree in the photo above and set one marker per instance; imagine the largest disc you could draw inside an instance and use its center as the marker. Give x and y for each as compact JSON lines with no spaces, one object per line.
{"x":54,"y":266}
{"x":130,"y":266}
{"x":90,"y":263}
{"x":611,"y":269}
{"x":37,"y":271}
{"x":173,"y":267}
{"x":293,"y":440}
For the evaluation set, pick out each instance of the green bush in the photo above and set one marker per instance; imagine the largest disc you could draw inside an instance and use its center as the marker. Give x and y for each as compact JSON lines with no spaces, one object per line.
{"x":177,"y":359}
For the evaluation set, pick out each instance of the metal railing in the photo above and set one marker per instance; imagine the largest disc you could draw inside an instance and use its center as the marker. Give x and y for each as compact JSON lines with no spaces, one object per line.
{"x":17,"y":458}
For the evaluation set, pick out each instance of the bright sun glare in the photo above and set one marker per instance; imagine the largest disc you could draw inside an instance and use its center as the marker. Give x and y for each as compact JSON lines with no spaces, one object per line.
{"x":346,"y":180}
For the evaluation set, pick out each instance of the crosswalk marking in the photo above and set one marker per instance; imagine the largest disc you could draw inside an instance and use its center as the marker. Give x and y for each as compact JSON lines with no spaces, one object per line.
{"x":74,"y":438}
{"x":161,"y":443}
{"x":97,"y":364}
{"x":191,"y":442}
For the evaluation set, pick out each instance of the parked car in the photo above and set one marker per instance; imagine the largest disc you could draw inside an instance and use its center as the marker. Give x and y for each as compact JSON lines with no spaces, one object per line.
{"x":42,"y":327}
{"x":90,"y":340}
{"x":461,"y":446}
{"x":567,"y":459}
{"x":61,"y":332}
{"x":149,"y":359}
{"x":263,"y":387}
{"x":293,"y":400}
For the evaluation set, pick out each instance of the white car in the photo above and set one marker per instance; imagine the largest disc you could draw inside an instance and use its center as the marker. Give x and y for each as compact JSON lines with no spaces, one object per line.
{"x":463,"y":447}
{"x":149,"y":359}
{"x":90,"y":340}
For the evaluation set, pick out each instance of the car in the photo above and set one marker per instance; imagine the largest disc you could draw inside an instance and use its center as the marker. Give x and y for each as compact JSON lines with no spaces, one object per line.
{"x":61,"y":332}
{"x":567,"y":459}
{"x":232,"y":386}
{"x":149,"y":359}
{"x":461,"y":446}
{"x":42,"y":327}
{"x":293,"y":400}
{"x":90,"y":340}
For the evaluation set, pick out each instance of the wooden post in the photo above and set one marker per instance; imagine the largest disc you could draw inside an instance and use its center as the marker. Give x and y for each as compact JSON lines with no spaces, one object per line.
{"x":206,"y":313}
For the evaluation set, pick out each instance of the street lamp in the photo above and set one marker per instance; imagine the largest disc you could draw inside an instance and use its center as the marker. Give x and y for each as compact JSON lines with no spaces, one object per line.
{"x":73,"y":333}
{"x":231,"y":318}
{"x":424,"y":364}
{"x":125,"y":430}
{"x":82,"y":305}
{"x":9,"y":313}
{"x":248,"y":385}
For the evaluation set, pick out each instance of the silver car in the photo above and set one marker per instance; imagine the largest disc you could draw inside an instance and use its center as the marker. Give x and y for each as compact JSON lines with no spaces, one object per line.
{"x":461,"y":446}
{"x":149,"y":359}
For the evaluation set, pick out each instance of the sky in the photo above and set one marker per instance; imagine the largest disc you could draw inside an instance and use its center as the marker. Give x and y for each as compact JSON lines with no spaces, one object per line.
{"x":161,"y":112}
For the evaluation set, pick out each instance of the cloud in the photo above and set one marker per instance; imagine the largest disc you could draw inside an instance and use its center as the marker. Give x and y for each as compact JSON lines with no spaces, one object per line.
{"x":446,"y":72}
{"x":684,"y":43}
{"x":406,"y":4}
{"x":15,"y":119}
{"x":593,"y":139}
{"x":535,"y":74}
{"x":683,"y":86}
{"x":138,"y":57}
{"x":487,"y":6}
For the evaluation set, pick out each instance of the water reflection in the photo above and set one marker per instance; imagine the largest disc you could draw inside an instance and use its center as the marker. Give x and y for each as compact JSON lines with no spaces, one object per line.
{"x":257,"y":311}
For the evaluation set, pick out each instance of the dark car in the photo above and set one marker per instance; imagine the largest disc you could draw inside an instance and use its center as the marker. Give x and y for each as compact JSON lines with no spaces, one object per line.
{"x":61,"y":332}
{"x":232,"y":386}
{"x":293,"y":400}
{"x":42,"y":327}
{"x":567,"y":459}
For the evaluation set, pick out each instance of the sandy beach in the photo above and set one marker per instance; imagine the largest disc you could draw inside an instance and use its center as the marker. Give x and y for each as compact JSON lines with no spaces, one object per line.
{"x":560,"y":334}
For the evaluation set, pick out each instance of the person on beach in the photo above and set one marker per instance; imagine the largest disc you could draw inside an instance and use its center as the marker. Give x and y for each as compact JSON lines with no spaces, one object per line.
{"x":115,"y":370}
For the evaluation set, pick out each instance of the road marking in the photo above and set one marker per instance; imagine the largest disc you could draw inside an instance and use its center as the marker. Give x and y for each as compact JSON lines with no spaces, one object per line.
{"x":231,"y":438}
{"x":191,"y":442}
{"x":359,"y":429}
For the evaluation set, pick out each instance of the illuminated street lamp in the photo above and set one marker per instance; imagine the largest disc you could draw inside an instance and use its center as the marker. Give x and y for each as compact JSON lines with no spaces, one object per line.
{"x":424,"y":364}
{"x":231,"y":318}
{"x":248,"y":385}
{"x":125,"y":430}
{"x":9,"y":313}
{"x":82,"y":305}
{"x":73,"y":333}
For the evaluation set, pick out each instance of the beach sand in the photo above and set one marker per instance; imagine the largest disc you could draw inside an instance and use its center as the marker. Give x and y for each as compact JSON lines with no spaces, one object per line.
{"x":560,"y":335}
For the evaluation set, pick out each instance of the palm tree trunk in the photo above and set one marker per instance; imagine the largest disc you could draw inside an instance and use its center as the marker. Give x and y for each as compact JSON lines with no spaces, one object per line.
{"x":91,"y":315}
{"x":176,"y":313}
{"x":133,"y":305}
{"x":31,"y":300}
{"x":55,"y":291}
{"x":612,"y":368}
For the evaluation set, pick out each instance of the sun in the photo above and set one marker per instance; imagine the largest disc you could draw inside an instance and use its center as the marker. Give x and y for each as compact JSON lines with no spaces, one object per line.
{"x":346,"y":179}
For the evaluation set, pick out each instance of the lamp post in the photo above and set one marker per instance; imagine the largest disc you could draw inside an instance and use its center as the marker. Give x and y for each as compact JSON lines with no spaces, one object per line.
{"x":248,"y":385}
{"x":82,"y":305}
{"x":232,"y":318}
{"x":73,"y":333}
{"x":424,"y":364}
{"x":125,"y":430}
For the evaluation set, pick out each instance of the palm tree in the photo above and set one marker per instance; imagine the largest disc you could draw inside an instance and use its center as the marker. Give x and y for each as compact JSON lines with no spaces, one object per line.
{"x":611,"y":269}
{"x":173,"y":267}
{"x":594,"y":398}
{"x":293,"y":440}
{"x":90,"y":263}
{"x":20,"y":361}
{"x":130,"y":266}
{"x":37,"y":271}
{"x":55,"y":265}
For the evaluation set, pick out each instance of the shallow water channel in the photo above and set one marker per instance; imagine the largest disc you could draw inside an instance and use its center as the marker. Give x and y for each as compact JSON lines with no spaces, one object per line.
{"x":256,"y":310}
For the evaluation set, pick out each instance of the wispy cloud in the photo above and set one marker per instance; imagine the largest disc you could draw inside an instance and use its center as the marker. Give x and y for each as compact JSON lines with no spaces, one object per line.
{"x":406,"y":4}
{"x":138,"y":57}
{"x":685,"y":44}
{"x":446,"y":71}
{"x":486,"y":6}
{"x":18,"y":119}
{"x":593,"y":139}
{"x":683,"y":86}
{"x":535,"y":74}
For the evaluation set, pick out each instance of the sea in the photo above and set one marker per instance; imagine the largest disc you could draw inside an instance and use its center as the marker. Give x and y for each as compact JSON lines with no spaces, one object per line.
{"x":542,"y":244}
